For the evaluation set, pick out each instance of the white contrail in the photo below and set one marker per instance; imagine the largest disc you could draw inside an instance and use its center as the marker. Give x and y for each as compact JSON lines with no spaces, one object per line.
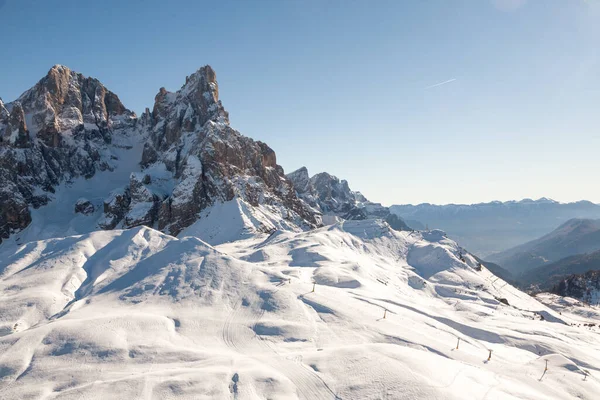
{"x":441,"y":83}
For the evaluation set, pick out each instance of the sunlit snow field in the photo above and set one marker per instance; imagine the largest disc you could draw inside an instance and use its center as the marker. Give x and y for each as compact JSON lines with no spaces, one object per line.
{"x":139,"y":314}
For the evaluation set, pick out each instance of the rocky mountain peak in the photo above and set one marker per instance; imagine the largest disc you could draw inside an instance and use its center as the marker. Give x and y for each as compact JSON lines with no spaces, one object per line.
{"x":57,"y":82}
{"x":15,"y":128}
{"x":201,"y":90}
{"x":332,"y":190}
{"x":188,"y":109}
{"x":203,"y":81}
{"x":323,"y":191}
{"x":209,"y":162}
{"x":65,"y":101}
{"x":300,"y":179}
{"x":333,"y":197}
{"x":60,"y":129}
{"x":69,"y":126}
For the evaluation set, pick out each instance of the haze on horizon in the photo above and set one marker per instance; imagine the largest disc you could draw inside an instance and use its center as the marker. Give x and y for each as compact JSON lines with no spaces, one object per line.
{"x":411,"y":102}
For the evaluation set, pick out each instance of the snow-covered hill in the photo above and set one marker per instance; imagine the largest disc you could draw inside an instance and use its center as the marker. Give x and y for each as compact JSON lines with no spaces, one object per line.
{"x":129,"y":314}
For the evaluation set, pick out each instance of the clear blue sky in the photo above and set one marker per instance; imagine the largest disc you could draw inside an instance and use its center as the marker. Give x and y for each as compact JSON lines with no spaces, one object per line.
{"x":351,"y":87}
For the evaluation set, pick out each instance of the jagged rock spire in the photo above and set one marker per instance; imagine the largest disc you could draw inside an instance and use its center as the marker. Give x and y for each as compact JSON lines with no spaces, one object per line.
{"x":66,"y":100}
{"x":191,"y":136}
{"x":188,"y":109}
{"x":16,"y":132}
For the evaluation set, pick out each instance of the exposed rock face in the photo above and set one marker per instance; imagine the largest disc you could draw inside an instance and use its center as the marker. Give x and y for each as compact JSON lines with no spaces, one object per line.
{"x":115,"y":208}
{"x":144,"y":204}
{"x":15,"y":128}
{"x":64,"y":128}
{"x":58,"y":130}
{"x":332,"y":196}
{"x":4,"y":114}
{"x":65,"y":100}
{"x":84,"y":206}
{"x":324,"y":192}
{"x":190,"y":137}
{"x":187,"y":110}
{"x":302,"y":184}
{"x":584,"y":287}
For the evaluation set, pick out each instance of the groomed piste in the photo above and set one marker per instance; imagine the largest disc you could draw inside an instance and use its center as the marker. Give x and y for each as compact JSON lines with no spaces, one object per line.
{"x":354,"y":310}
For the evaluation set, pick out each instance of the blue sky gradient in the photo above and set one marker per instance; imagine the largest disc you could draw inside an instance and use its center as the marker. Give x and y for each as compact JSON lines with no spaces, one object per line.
{"x":410,"y":101}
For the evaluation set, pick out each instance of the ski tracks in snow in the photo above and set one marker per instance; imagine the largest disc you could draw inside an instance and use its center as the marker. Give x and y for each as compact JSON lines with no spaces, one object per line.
{"x":239,"y":335}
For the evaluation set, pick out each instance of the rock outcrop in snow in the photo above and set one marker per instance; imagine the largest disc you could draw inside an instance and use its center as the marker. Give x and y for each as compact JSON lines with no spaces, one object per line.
{"x":58,"y":130}
{"x":65,"y":102}
{"x":584,"y":287}
{"x":333,"y":197}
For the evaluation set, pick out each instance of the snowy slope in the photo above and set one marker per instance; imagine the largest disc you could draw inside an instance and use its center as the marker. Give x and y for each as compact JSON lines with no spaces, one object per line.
{"x":58,"y":217}
{"x":140,"y":314}
{"x":235,"y":220}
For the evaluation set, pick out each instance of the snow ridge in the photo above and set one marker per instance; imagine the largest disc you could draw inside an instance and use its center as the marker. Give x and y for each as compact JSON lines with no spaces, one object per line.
{"x":137,"y":313}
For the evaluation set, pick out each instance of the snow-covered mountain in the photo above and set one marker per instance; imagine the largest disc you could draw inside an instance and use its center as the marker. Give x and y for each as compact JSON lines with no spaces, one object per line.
{"x":169,"y":256}
{"x":351,"y":311}
{"x":547,"y":276}
{"x":166,"y":168}
{"x":60,"y":129}
{"x":488,"y":228}
{"x":201,"y":161}
{"x":574,"y":237}
{"x":333,"y":198}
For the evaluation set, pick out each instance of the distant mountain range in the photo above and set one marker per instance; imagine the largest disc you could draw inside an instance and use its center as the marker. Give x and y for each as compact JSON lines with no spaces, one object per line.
{"x":566,"y":261}
{"x":547,"y":277}
{"x":576,"y":236}
{"x":489,"y":228}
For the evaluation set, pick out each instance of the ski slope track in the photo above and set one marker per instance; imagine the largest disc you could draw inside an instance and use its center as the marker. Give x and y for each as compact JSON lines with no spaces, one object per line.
{"x":353,"y":310}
